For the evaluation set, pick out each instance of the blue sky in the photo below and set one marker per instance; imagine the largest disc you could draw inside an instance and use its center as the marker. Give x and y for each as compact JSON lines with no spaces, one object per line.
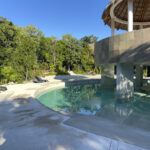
{"x":58,"y":17}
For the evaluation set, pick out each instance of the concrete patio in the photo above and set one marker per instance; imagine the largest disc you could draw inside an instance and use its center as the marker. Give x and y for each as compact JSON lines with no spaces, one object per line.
{"x":25,"y":124}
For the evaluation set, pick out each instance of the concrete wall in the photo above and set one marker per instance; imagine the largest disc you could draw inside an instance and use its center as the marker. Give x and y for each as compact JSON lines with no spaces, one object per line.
{"x":124,"y":48}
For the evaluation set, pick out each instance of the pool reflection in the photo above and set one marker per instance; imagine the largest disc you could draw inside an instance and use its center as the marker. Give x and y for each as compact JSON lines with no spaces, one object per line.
{"x":90,"y":99}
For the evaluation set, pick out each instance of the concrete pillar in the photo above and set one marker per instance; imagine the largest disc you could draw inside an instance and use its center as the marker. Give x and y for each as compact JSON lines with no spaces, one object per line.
{"x":130,"y":15}
{"x":107,"y":76}
{"x":112,"y":27}
{"x":125,"y":85}
{"x":139,"y":76}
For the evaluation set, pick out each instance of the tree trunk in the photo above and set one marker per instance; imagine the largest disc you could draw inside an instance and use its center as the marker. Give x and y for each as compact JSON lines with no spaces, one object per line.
{"x":68,"y":67}
{"x":54,"y":58}
{"x":54,"y":54}
{"x":26,"y":74}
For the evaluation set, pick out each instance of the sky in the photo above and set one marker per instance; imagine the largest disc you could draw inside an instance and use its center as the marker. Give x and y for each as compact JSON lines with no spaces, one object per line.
{"x":58,"y":17}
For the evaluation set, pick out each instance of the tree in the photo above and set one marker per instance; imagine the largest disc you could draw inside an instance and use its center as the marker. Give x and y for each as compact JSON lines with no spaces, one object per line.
{"x":72,"y":51}
{"x":25,"y":49}
{"x":87,"y":59}
{"x":8,"y":43}
{"x":89,"y":39}
{"x":24,"y":58}
{"x":44,"y":52}
{"x":8,"y":34}
{"x":33,"y":31}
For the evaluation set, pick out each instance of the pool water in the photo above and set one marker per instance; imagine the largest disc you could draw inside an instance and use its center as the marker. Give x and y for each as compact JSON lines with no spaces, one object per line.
{"x":91,"y":99}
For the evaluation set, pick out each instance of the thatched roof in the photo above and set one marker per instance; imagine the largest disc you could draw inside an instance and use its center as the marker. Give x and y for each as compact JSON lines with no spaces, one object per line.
{"x":141,"y":12}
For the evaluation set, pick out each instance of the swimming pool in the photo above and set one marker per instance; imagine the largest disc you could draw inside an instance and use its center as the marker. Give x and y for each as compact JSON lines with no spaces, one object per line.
{"x":91,"y":99}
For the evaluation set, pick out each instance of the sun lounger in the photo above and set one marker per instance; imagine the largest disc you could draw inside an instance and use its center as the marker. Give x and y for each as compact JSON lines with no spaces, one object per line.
{"x":3,"y":88}
{"x":37,"y":79}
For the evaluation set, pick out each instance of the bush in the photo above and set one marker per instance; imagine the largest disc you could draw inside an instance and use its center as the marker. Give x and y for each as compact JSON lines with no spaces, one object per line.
{"x":8,"y":74}
{"x":35,"y":73}
{"x":78,"y":70}
{"x":97,"y":70}
{"x":62,"y":71}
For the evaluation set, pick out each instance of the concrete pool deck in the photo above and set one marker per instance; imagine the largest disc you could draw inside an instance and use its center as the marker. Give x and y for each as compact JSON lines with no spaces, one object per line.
{"x":25,"y":124}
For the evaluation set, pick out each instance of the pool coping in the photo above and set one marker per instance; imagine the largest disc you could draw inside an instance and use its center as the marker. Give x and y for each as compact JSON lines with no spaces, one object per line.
{"x":65,"y":84}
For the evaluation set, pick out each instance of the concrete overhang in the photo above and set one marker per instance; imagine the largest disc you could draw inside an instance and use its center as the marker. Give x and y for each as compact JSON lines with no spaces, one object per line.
{"x":133,"y":47}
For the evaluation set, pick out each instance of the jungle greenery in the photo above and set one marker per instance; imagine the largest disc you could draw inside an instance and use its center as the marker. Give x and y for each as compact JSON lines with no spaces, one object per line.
{"x":25,"y":52}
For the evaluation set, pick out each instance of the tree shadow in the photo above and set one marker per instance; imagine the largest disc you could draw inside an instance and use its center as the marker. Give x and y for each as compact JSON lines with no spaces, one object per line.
{"x":27,"y":125}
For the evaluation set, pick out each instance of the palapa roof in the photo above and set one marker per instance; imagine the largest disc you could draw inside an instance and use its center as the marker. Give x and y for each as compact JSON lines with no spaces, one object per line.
{"x":141,"y":13}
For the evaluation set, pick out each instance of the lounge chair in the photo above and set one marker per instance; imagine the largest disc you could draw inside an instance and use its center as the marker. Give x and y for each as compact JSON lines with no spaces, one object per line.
{"x":3,"y":88}
{"x":37,"y":79}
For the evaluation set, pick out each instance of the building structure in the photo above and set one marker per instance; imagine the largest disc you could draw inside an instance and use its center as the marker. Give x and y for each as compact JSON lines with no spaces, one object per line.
{"x":125,"y":50}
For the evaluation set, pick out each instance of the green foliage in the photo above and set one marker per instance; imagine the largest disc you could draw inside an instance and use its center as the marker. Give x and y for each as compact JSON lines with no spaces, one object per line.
{"x":24,"y":56}
{"x":33,"y":31}
{"x":145,"y":72}
{"x":25,"y":52}
{"x":36,"y":73}
{"x":61,"y":72}
{"x":89,"y":39}
{"x":8,"y":74}
{"x":78,"y":70}
{"x":72,"y":49}
{"x":8,"y":43}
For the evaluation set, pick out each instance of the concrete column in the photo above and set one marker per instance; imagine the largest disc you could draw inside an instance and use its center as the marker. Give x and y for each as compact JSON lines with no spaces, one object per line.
{"x":130,"y":15}
{"x":125,"y":85}
{"x":107,"y":76}
{"x":112,"y":27}
{"x":139,"y":76}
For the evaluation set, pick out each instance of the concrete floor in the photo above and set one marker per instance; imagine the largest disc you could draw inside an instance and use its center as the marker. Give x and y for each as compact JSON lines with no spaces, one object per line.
{"x":111,"y":129}
{"x":25,"y":124}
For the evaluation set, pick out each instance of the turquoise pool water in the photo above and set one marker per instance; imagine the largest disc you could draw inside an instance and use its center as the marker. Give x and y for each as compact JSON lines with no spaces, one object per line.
{"x":91,"y":99}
